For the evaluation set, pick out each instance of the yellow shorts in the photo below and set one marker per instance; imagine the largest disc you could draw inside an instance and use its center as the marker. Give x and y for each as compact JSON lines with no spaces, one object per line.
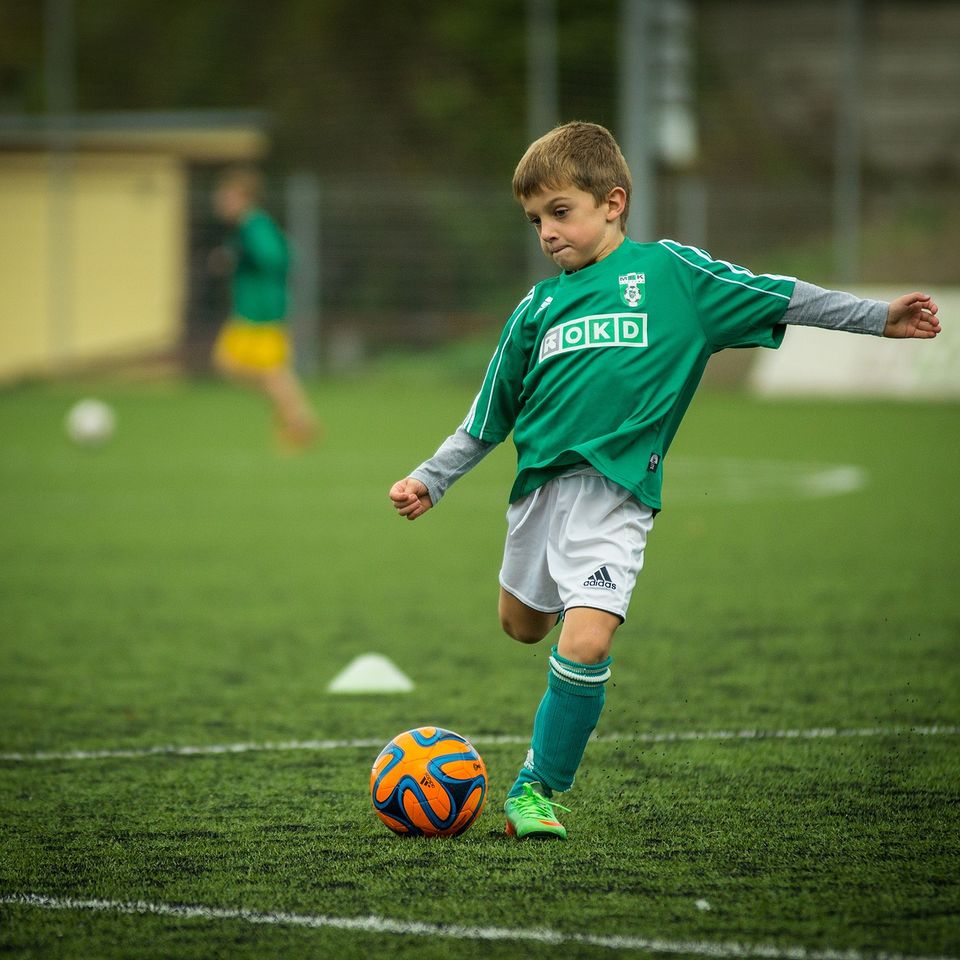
{"x":252,"y":346}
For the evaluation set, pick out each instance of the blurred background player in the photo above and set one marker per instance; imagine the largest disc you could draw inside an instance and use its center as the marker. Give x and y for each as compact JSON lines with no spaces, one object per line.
{"x":254,"y":346}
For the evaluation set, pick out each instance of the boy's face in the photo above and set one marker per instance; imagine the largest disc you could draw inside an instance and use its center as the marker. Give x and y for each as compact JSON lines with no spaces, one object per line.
{"x":574,"y":230}
{"x":230,"y":202}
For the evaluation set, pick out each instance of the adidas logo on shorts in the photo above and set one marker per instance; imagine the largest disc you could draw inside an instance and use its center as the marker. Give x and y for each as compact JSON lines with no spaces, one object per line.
{"x":601,"y":578}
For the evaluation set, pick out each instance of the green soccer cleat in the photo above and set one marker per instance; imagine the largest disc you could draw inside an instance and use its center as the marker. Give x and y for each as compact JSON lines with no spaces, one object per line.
{"x":531,"y":815}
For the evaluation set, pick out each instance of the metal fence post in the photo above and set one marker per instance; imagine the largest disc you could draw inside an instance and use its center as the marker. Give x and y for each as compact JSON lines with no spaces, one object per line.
{"x":302,"y":202}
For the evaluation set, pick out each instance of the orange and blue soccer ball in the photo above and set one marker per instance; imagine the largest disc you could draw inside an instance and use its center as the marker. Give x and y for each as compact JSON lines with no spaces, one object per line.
{"x":428,"y":782}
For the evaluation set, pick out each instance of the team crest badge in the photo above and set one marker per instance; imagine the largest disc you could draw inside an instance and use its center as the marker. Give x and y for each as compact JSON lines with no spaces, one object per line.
{"x":633,"y":288}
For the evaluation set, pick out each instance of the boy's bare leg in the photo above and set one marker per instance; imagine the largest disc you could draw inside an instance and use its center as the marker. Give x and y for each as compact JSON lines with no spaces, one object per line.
{"x":230,"y":370}
{"x":568,"y":712}
{"x":291,"y":404}
{"x":587,"y":634}
{"x":521,"y":622}
{"x":282,"y":388}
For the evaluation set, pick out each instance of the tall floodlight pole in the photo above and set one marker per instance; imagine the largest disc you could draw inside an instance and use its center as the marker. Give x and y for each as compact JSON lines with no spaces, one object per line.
{"x":302,"y":202}
{"x":59,"y":59}
{"x":543,"y":87}
{"x":847,"y":177}
{"x":60,"y":94}
{"x":637,"y":133}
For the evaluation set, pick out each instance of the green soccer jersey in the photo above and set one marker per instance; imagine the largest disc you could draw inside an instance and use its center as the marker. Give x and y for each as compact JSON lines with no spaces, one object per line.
{"x":259,"y":283}
{"x":599,"y":366}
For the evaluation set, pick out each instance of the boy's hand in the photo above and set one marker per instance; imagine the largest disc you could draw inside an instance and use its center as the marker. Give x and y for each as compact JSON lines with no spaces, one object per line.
{"x":912,"y":315}
{"x":410,"y":498}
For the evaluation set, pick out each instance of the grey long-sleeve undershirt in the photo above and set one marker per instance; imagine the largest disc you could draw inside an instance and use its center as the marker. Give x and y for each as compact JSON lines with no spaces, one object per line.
{"x":458,"y":454}
{"x":810,"y":306}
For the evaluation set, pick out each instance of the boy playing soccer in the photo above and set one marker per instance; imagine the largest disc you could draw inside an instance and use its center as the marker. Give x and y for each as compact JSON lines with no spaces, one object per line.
{"x":254,"y":347}
{"x":593,"y":373}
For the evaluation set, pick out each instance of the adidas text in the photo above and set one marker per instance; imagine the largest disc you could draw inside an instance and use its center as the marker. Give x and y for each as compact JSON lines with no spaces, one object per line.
{"x":602,"y":579}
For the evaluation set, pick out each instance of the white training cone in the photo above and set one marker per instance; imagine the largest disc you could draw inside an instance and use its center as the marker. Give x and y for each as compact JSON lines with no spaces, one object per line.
{"x":370,"y":673}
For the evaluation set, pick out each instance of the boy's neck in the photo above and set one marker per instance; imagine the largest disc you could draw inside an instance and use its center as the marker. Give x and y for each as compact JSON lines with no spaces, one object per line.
{"x":607,"y":250}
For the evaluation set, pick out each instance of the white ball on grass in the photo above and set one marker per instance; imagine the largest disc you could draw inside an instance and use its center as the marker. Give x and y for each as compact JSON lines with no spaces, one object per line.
{"x":90,"y":422}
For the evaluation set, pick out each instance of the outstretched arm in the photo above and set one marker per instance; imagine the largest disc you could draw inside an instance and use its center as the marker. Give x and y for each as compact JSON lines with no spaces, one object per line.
{"x":415,"y":495}
{"x":914,"y":315}
{"x":499,"y":399}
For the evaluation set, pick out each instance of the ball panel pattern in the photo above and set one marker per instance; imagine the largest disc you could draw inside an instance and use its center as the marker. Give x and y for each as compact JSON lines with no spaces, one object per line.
{"x":428,"y":782}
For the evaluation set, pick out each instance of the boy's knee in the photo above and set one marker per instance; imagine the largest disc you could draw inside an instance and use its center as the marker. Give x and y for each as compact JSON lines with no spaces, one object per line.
{"x":520,"y":629}
{"x":587,"y":635}
{"x":586,"y":650}
{"x":523,"y":623}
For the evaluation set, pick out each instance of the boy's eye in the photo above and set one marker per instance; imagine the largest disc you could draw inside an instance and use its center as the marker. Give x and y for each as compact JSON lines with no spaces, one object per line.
{"x":560,"y":212}
{"x":534,"y":221}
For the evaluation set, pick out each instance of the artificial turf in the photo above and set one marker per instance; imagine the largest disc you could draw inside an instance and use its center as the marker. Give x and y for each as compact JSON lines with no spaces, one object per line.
{"x":187,"y":585}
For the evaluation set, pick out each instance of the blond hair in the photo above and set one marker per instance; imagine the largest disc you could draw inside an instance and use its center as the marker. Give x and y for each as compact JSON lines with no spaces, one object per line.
{"x":245,"y":179}
{"x":582,"y":154}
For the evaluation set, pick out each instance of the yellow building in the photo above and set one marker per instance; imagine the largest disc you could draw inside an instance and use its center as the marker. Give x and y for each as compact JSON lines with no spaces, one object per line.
{"x":94,"y":238}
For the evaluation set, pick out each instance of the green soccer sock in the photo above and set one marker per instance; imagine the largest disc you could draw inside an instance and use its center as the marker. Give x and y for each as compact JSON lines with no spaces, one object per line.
{"x":566,"y":717}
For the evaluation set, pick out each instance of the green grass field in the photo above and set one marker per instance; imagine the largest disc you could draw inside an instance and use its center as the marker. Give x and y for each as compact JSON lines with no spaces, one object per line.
{"x":186,"y":586}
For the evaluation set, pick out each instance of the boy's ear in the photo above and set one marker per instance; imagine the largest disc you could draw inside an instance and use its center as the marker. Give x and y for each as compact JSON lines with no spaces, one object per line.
{"x":616,"y":202}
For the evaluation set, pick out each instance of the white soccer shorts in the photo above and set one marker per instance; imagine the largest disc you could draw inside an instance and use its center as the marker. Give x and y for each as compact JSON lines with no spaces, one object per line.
{"x":577,"y":541}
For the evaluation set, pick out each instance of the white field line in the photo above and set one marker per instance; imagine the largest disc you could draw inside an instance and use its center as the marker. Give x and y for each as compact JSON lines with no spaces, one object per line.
{"x":386,"y":925}
{"x":668,"y":736}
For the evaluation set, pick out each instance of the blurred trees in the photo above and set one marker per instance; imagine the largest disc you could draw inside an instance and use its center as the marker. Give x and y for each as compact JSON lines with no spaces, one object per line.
{"x":375,"y":95}
{"x":374,"y":87}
